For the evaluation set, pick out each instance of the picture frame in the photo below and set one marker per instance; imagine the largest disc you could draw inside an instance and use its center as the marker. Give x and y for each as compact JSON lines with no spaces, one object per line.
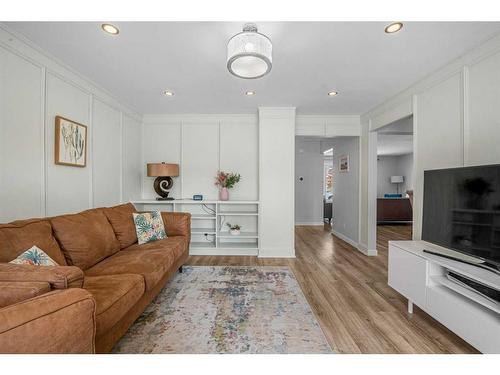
{"x":344,"y":163}
{"x":70,"y":144}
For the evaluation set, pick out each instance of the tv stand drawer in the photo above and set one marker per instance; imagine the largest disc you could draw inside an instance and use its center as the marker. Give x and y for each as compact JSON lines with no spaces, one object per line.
{"x":408,"y":275}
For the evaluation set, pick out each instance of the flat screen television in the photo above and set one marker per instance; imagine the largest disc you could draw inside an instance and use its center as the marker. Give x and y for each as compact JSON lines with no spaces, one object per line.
{"x":462,"y":211}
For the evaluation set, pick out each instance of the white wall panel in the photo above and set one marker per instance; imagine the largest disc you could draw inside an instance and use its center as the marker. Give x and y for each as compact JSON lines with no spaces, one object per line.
{"x":276,"y":189}
{"x":132,"y":159}
{"x":106,"y":149}
{"x":438,"y":135}
{"x":21,"y":138}
{"x":161,"y":143}
{"x":239,"y":146}
{"x":200,"y":158}
{"x":68,"y":188}
{"x":482,"y":128}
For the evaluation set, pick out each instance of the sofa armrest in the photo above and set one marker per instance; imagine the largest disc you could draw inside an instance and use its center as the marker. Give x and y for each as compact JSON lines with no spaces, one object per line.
{"x":177,"y":224}
{"x":12,"y":292}
{"x":61,"y":321}
{"x":59,"y":277}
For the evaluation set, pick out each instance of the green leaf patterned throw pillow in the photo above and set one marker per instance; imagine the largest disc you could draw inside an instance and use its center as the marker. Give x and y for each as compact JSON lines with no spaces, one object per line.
{"x":149,"y":227}
{"x":34,"y":257}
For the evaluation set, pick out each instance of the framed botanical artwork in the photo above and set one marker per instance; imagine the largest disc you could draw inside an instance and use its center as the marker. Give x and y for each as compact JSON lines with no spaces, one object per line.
{"x":70,"y":143}
{"x":344,"y":163}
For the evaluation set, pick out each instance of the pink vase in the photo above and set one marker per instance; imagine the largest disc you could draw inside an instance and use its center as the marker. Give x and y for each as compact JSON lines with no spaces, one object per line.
{"x":224,"y":194}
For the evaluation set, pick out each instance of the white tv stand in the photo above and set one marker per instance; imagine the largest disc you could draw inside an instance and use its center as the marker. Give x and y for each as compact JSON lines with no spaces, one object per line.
{"x":421,"y":277}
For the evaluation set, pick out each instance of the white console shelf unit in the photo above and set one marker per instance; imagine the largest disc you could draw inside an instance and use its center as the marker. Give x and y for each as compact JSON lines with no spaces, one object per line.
{"x":421,"y":277}
{"x":209,"y":233}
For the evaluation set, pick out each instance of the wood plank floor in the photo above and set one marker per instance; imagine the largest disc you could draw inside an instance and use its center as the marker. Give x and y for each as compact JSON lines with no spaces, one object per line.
{"x":348,"y":292}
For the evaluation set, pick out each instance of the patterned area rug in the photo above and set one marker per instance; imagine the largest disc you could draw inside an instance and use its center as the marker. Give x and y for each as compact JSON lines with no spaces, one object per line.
{"x":227,"y":310}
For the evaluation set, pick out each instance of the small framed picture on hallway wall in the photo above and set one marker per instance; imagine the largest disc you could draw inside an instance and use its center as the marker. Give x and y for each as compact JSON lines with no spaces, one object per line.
{"x":344,"y":163}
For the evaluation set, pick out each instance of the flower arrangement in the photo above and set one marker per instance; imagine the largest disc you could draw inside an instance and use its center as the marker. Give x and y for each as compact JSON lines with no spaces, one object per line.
{"x":227,"y":180}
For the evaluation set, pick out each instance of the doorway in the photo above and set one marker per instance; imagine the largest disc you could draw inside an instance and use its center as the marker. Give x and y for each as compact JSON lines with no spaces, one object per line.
{"x":394,"y":182}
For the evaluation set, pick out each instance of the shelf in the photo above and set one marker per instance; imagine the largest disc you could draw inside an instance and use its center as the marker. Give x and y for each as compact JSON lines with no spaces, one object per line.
{"x":191,"y":201}
{"x":237,"y":213}
{"x":203,"y":230}
{"x":202,"y":245}
{"x":203,"y":216}
{"x":242,"y":235}
{"x":238,"y":245}
{"x":476,"y":297}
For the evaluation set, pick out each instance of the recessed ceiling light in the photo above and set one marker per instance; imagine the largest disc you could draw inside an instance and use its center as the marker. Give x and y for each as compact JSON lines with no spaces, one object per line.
{"x":168,"y":93}
{"x":110,"y":29}
{"x":333,"y":93}
{"x":250,"y":93}
{"x":393,"y":27}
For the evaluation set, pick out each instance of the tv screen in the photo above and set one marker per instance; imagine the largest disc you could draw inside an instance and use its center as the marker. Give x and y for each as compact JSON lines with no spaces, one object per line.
{"x":462,"y":210}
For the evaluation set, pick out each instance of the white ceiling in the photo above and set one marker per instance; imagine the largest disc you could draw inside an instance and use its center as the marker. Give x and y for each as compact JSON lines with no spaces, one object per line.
{"x":359,"y":60}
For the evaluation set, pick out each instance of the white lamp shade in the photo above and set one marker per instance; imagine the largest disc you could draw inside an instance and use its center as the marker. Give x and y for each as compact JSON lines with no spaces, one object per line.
{"x":397,"y":179}
{"x":249,"y":54}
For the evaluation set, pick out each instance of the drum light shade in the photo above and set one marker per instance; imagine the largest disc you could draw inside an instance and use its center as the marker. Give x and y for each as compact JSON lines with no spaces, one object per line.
{"x":163,"y":170}
{"x":249,"y":53}
{"x":397,"y":179}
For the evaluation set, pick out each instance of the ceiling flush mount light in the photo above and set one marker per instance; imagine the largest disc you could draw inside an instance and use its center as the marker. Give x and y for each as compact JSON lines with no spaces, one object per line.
{"x":110,"y":29}
{"x":250,"y":93}
{"x":393,"y":27}
{"x":168,"y":93}
{"x":249,"y":53}
{"x":333,"y":93}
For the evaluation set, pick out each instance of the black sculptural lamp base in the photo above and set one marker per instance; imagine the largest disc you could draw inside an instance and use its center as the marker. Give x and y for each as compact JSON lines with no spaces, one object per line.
{"x":162,"y":185}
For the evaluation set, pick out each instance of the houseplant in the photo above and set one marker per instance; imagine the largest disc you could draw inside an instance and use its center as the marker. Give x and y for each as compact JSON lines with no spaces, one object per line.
{"x":234,"y":229}
{"x":226,"y":181}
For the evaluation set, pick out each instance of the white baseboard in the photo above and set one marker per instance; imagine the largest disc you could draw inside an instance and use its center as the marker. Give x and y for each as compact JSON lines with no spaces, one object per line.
{"x":277,"y":253}
{"x":224,"y":252}
{"x":360,"y":247}
{"x":311,"y":223}
{"x":364,"y":249}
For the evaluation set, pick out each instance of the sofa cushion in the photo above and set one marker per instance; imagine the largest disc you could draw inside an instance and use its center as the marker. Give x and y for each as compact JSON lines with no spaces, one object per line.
{"x":115,"y":295}
{"x":175,"y":245}
{"x":86,"y":238}
{"x":152,"y":262}
{"x":19,"y":236}
{"x":122,"y":221}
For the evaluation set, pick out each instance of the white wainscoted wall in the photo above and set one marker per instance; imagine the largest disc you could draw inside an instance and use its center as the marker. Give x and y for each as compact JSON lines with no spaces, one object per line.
{"x":202,"y":145}
{"x":34,"y":88}
{"x":456,"y":114}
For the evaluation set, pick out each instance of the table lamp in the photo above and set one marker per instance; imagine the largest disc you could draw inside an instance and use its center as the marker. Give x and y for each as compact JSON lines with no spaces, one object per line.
{"x":397,"y":180}
{"x":163,"y":182}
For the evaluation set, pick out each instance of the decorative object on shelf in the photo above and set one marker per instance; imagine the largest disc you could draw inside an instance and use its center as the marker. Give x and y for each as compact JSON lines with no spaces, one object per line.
{"x":197,"y":197}
{"x":163,"y":182}
{"x":397,"y":180}
{"x":226,"y":181}
{"x":70,"y":143}
{"x":234,"y":229}
{"x":344,"y":163}
{"x":249,"y":53}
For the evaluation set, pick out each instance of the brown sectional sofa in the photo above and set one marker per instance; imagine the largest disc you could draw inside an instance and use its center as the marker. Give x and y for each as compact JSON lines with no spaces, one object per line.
{"x":104,"y":280}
